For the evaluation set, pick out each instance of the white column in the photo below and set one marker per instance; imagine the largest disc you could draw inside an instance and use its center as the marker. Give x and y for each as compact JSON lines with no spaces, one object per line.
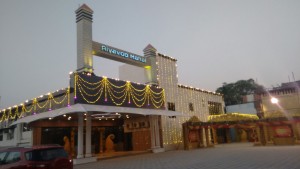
{"x":88,"y":135}
{"x":152,"y":131}
{"x":157,"y":138}
{"x":80,"y":136}
{"x":204,"y":137}
{"x":18,"y":134}
{"x":84,"y":20}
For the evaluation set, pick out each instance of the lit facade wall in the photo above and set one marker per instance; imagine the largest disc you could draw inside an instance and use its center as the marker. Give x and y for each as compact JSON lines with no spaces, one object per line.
{"x":288,"y":104}
{"x":182,"y":97}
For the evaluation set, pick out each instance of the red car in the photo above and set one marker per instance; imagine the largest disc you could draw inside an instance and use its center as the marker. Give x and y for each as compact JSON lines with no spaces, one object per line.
{"x":35,"y":157}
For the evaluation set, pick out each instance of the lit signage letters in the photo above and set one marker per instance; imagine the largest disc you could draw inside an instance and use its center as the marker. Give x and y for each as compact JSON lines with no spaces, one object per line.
{"x":122,"y":54}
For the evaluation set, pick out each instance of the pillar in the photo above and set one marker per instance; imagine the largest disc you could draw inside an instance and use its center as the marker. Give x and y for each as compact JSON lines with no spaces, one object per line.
{"x":101,"y":140}
{"x":296,"y":133}
{"x":215,"y":137}
{"x":268,"y":137}
{"x":72,"y":142}
{"x":257,"y":141}
{"x":151,"y":70}
{"x":152,"y":128}
{"x":80,"y":136}
{"x":88,"y":135}
{"x":207,"y":137}
{"x":201,"y":138}
{"x":84,"y":19}
{"x":155,"y":134}
{"x":204,"y":138}
{"x":228,"y":135}
{"x":18,"y":133}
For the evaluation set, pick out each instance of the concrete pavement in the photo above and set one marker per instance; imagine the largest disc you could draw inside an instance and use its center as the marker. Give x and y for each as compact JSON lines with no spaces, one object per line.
{"x":223,"y":156}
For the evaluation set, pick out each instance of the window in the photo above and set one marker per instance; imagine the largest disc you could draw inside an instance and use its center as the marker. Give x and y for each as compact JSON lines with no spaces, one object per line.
{"x":10,"y":134}
{"x":191,"y":106}
{"x":26,"y":127}
{"x":45,"y":154}
{"x":2,"y":156}
{"x":214,"y":108}
{"x":12,"y":157}
{"x":171,"y":106}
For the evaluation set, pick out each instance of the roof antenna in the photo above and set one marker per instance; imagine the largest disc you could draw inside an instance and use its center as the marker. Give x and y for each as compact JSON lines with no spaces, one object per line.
{"x":293,"y":76}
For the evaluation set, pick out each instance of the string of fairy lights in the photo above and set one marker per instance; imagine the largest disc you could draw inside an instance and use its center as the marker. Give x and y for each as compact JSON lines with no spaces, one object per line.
{"x":25,"y":109}
{"x":182,"y":96}
{"x":91,"y":92}
{"x":118,"y":94}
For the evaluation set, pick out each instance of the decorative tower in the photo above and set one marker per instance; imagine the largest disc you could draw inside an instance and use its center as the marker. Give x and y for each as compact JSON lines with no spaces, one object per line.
{"x":84,"y":19}
{"x":151,"y":71}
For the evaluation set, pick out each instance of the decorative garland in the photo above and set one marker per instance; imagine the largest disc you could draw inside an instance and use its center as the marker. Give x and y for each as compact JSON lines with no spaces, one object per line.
{"x":232,"y":117}
{"x":31,"y":109}
{"x":101,"y":90}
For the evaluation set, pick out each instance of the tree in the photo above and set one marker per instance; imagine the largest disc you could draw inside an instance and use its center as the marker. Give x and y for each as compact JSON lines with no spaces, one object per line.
{"x":233,"y":92}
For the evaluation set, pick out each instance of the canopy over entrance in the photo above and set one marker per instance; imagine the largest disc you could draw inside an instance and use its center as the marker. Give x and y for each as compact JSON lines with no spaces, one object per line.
{"x":95,"y":108}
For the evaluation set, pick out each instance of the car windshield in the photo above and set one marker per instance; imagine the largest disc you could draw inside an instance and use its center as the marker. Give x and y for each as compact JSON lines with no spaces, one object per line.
{"x":45,"y":154}
{"x":2,"y":156}
{"x":9,"y":157}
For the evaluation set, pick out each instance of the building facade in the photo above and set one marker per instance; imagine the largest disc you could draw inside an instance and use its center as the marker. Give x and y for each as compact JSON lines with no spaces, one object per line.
{"x":280,"y":111}
{"x":97,"y":115}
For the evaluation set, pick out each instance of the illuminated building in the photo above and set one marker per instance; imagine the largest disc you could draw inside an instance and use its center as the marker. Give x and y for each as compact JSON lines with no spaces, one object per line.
{"x":96,"y":111}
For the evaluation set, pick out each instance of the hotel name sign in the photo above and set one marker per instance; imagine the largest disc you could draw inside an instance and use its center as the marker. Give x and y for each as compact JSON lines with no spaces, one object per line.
{"x":113,"y":53}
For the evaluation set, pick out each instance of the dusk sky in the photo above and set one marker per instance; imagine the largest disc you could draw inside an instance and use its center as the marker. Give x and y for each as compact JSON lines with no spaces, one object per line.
{"x":214,"y":41}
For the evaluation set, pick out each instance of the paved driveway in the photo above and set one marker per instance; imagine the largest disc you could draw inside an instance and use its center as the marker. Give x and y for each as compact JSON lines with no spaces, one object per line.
{"x":226,"y":156}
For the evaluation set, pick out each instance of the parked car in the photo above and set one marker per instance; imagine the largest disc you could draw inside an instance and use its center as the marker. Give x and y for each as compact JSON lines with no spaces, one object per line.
{"x":35,"y":157}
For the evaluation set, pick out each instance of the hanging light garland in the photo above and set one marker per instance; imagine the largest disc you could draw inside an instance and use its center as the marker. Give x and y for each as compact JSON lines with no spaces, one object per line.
{"x":33,"y":108}
{"x":101,"y":90}
{"x":181,"y":96}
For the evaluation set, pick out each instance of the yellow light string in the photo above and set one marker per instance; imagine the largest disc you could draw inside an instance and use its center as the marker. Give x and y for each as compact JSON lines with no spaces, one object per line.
{"x":138,"y":90}
{"x":105,"y":88}
{"x":122,"y":101}
{"x":121,"y":90}
{"x":3,"y":116}
{"x":84,"y":83}
{"x":90,"y":101}
{"x":68,"y":91}
{"x":138,"y":96}
{"x":128,"y":91}
{"x":41,"y":106}
{"x":90,"y":83}
{"x":112,"y":93}
{"x":115,"y":86}
{"x":135,"y":101}
{"x":75,"y":84}
{"x":10,"y":115}
{"x":62,"y":99}
{"x":24,"y":109}
{"x":81,"y":89}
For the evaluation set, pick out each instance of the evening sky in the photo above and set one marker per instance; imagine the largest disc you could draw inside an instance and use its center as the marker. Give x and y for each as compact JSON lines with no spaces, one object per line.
{"x":214,"y":41}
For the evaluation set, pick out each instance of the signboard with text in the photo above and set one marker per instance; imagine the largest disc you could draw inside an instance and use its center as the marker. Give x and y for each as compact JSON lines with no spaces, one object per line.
{"x":116,"y":54}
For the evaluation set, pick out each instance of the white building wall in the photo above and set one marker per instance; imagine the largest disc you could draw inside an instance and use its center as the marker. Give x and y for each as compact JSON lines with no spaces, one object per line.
{"x":16,"y":137}
{"x":172,"y":127}
{"x":132,"y":73}
{"x":167,"y":79}
{"x":246,"y":108}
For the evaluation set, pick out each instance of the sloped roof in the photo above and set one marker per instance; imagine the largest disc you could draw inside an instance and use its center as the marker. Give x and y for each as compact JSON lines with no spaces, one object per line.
{"x":232,"y":117}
